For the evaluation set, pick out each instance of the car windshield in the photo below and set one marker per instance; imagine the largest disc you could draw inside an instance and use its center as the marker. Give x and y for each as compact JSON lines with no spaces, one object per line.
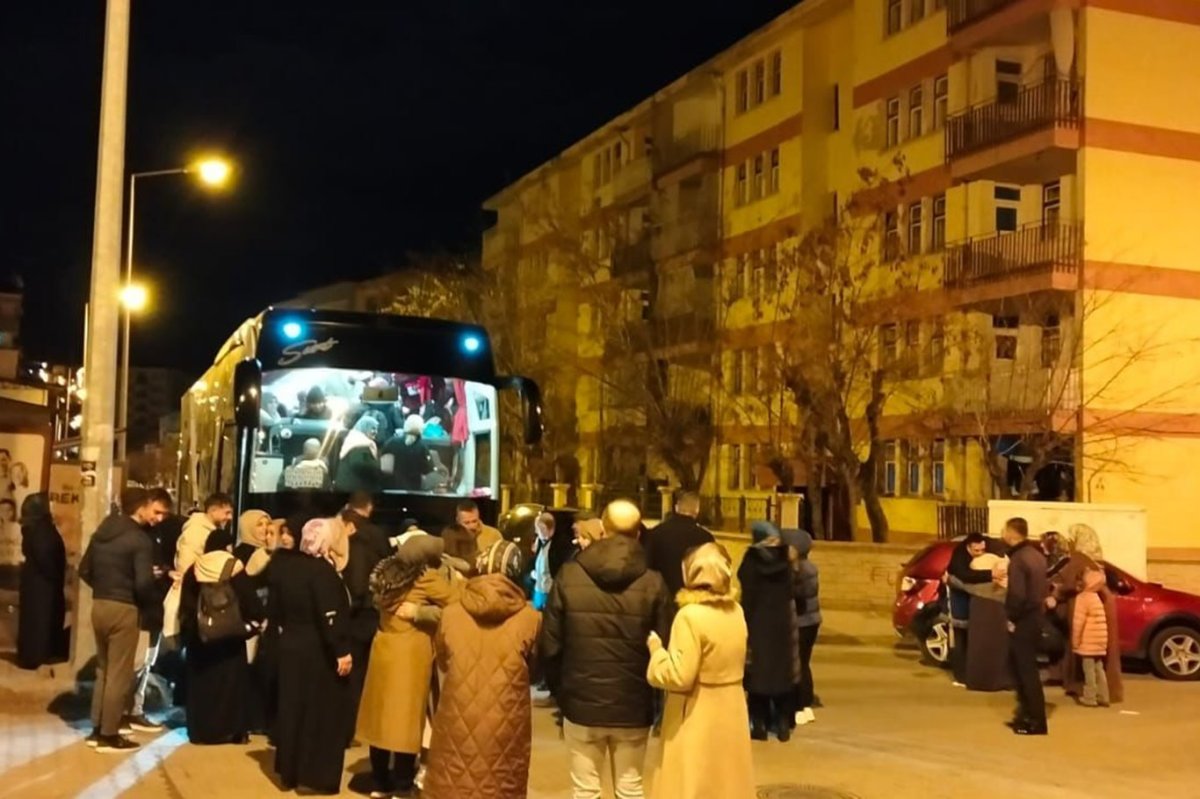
{"x":324,"y":429}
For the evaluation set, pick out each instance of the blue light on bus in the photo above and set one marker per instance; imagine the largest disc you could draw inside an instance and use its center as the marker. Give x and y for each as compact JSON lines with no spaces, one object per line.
{"x":472,"y":343}
{"x":292,"y":330}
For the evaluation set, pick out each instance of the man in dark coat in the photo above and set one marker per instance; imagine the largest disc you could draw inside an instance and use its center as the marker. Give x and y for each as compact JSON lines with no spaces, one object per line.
{"x":772,"y":667}
{"x":602,"y":607}
{"x":960,"y":571}
{"x":670,"y":541}
{"x":1027,"y":590}
{"x":163,"y":537}
{"x":40,"y":635}
{"x":118,"y":565}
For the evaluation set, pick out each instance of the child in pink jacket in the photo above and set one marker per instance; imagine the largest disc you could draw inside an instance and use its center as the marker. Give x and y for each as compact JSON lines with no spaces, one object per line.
{"x":1089,"y":638}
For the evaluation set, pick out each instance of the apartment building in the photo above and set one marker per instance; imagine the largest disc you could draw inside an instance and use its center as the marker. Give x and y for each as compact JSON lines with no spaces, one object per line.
{"x":1038,"y":157}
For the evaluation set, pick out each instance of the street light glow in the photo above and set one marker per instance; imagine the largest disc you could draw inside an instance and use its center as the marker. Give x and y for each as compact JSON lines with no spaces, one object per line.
{"x":134,"y":297}
{"x":213,"y":171}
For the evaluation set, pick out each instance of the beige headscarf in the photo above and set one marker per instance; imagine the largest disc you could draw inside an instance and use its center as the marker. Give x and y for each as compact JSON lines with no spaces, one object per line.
{"x":248,"y":531}
{"x":707,"y":576}
{"x":211,"y":565}
{"x":1085,"y":541}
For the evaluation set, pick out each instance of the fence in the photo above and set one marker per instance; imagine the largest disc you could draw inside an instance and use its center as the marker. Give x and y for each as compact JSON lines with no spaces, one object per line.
{"x":954,"y":521}
{"x":961,"y":13}
{"x":1052,"y":102}
{"x":1034,"y":247}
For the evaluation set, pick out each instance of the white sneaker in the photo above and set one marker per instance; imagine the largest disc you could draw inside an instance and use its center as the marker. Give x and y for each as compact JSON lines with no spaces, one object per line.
{"x":957,"y":684}
{"x":805,"y":716}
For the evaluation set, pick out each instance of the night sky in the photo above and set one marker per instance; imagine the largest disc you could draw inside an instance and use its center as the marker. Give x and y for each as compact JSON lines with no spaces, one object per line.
{"x":364,"y":131}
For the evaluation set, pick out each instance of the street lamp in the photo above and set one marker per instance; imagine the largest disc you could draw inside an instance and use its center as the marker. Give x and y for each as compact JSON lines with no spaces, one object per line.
{"x":212,"y":172}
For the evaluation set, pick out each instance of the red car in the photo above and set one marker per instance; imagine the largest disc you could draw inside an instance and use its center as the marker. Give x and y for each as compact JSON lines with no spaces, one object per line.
{"x":1156,"y":624}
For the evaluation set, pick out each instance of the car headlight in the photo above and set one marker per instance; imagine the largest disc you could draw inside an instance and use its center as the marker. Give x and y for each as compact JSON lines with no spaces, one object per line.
{"x":907,"y":584}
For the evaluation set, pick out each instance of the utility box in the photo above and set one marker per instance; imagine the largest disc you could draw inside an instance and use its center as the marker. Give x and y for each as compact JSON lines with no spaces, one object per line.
{"x":1122,"y":528}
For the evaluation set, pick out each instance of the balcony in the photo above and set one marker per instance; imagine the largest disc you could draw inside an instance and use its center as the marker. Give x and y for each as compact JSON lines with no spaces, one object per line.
{"x":972,"y":24}
{"x":1032,"y":138}
{"x":703,"y":142}
{"x":692,"y":327}
{"x":633,"y":180}
{"x":1035,"y":257}
{"x":632,"y":259}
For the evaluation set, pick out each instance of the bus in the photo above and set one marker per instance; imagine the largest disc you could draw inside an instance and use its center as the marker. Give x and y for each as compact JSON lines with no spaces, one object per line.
{"x":302,"y":407}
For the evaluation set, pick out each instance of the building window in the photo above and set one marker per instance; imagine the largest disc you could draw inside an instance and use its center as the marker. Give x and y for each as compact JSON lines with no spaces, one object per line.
{"x":758,"y":187}
{"x":912,"y":466}
{"x":1051,"y":342}
{"x":1008,"y":81}
{"x":760,"y":82}
{"x":937,"y":346}
{"x":916,"y":218}
{"x":888,"y":469}
{"x":891,"y":234}
{"x":1005,"y":329}
{"x":733,"y":476}
{"x":937,"y":457}
{"x":773,"y":182}
{"x":1051,"y":203}
{"x":916,"y":11}
{"x":617,"y":158}
{"x":895,"y":16}
{"x":937,"y":238}
{"x":941,"y":101}
{"x":892,"y":122}
{"x":596,"y":170}
{"x":916,"y":111}
{"x":1008,"y":200}
{"x":743,"y":92}
{"x":742,"y":185}
{"x":737,"y":282}
{"x":837,"y":107}
{"x":766,"y":369}
{"x":606,"y":168}
{"x":776,"y":73}
{"x":888,"y":345}
{"x":750,"y":376}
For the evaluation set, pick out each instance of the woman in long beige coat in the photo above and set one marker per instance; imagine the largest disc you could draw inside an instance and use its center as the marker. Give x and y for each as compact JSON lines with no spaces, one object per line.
{"x":705,"y":729}
{"x":391,"y":716}
{"x":486,"y":644}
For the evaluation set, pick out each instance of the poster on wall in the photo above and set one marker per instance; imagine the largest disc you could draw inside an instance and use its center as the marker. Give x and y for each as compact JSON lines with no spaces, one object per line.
{"x":22,"y":472}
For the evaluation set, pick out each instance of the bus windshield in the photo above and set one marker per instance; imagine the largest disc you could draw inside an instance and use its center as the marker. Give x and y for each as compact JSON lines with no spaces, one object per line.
{"x":346,"y":430}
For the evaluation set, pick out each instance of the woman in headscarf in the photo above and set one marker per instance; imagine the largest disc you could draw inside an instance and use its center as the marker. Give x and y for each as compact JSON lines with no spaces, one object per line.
{"x":358,"y":462}
{"x":391,"y":715}
{"x":40,"y":635}
{"x":773,"y":664}
{"x":486,"y":645}
{"x":705,"y":727}
{"x":1086,"y":555}
{"x":406,"y":457}
{"x":219,"y":686}
{"x":987,"y":626}
{"x":309,"y":609}
{"x":254,"y":537}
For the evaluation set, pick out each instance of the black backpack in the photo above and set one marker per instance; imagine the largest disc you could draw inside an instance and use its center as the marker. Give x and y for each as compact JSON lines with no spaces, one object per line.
{"x":218,"y":615}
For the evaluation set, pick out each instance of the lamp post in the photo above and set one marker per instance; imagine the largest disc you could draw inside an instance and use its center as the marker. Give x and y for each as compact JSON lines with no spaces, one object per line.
{"x":212,"y":172}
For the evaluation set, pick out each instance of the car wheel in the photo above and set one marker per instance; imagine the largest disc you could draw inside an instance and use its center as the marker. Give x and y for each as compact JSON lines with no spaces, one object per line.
{"x":935,"y":643}
{"x":1175,"y":654}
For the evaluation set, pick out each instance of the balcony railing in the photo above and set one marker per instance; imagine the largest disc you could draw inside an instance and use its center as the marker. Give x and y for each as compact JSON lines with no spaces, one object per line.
{"x":1032,"y":248}
{"x":693,"y":144}
{"x":961,"y":13}
{"x":1054,"y":103}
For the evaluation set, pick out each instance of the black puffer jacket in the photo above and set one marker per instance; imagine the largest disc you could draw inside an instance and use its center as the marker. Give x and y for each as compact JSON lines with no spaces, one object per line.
{"x":118,"y":563}
{"x":603,"y":605}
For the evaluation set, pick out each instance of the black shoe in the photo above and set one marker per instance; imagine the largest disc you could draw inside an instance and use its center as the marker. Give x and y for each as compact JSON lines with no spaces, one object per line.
{"x":758,"y":733}
{"x":1031,"y":728}
{"x":784,"y":734}
{"x":141,"y":724}
{"x":93,"y":740}
{"x":117,"y":743}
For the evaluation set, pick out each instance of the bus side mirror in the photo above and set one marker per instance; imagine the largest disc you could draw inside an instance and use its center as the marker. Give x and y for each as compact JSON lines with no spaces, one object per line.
{"x":533,"y":405}
{"x":247,"y":393}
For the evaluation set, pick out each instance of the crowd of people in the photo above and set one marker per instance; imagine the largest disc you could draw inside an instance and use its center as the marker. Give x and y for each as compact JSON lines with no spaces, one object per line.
{"x":327,"y":632}
{"x":1015,"y":604}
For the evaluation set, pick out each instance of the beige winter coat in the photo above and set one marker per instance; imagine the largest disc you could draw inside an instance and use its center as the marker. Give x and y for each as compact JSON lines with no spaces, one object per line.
{"x":705,"y":729}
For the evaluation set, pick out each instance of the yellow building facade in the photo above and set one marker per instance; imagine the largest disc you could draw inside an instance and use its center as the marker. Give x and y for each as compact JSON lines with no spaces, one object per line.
{"x":1040,"y":160}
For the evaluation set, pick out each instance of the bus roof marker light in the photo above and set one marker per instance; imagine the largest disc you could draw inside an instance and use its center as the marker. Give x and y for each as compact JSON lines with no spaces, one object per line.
{"x":292,"y":330}
{"x":472,"y":343}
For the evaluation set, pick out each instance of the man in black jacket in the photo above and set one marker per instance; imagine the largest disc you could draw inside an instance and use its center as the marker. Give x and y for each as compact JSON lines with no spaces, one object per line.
{"x":959,"y":573}
{"x":368,"y":546}
{"x":163,"y":536}
{"x":1024,"y":605}
{"x":602,"y":607}
{"x":119,"y":566}
{"x":671,"y":540}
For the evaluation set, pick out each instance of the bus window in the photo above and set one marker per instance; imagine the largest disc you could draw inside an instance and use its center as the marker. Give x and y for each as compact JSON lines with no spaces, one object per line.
{"x":349,"y":430}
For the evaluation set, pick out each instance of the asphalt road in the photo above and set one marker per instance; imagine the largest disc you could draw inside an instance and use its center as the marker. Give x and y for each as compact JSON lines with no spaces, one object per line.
{"x":890,"y":729}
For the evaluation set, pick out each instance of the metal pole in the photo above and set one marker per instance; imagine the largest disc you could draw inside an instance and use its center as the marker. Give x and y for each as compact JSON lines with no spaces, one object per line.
{"x":126,"y":342}
{"x":100,"y":359}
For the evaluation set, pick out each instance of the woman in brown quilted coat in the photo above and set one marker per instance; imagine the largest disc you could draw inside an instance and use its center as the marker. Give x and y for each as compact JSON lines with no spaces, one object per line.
{"x":486,"y":646}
